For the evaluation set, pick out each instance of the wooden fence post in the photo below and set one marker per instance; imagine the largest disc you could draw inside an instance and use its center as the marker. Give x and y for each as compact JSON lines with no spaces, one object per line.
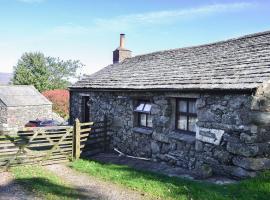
{"x":77,"y":139}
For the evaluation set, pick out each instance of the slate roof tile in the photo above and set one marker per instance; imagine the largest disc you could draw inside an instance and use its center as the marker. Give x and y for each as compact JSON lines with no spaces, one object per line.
{"x":241,"y":63}
{"x":22,"y":95}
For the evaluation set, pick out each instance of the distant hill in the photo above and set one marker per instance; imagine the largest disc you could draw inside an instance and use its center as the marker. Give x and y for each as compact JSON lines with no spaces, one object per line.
{"x":5,"y":78}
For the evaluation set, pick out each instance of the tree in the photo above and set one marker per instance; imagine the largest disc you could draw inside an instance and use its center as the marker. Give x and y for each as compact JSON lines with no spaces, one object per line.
{"x":45,"y":73}
{"x":60,"y":100}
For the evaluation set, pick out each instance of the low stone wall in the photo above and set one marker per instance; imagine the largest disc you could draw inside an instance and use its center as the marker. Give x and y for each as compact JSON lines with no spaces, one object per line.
{"x":3,"y":113}
{"x":19,"y":116}
{"x":227,"y":141}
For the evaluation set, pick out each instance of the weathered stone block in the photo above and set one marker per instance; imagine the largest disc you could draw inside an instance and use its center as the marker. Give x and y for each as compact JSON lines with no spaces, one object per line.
{"x":203,"y":171}
{"x":205,"y":115}
{"x":160,"y":137}
{"x":254,"y":129}
{"x":200,"y":103}
{"x":198,"y":145}
{"x":155,"y":147}
{"x":236,"y":102}
{"x":186,"y":138}
{"x":260,"y":118}
{"x":244,"y":137}
{"x":242,"y":149}
{"x":222,"y":156}
{"x":155,"y":109}
{"x":238,"y":172}
{"x":230,"y":137}
{"x":164,"y":120}
{"x":161,"y":102}
{"x":229,"y":118}
{"x":255,"y":104}
{"x":252,"y":163}
{"x":165,"y":148}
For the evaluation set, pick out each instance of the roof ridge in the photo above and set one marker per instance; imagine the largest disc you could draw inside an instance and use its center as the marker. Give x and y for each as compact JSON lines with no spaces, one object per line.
{"x":204,"y":45}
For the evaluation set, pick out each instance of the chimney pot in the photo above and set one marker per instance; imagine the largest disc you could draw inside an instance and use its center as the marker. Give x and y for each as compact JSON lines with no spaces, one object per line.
{"x":122,"y":40}
{"x":121,"y":53}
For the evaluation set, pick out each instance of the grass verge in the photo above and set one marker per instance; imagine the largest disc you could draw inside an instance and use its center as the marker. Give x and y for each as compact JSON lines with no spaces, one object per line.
{"x":166,"y":187}
{"x":43,"y":183}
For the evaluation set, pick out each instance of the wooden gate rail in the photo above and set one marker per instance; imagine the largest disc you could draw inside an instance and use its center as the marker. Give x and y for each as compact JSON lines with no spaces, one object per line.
{"x":49,"y":145}
{"x":90,"y":138}
{"x":36,"y":145}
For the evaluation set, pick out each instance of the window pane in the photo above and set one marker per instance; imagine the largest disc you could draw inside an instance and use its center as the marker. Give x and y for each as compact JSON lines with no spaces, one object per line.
{"x":182,"y":106}
{"x":182,"y":122}
{"x":192,"y":124}
{"x":140,"y":107}
{"x":147,"y":108}
{"x":149,"y":121}
{"x":192,"y":106}
{"x":142,"y":119}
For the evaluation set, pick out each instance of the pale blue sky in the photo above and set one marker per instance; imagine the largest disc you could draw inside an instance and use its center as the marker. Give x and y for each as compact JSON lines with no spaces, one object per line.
{"x":89,"y":30}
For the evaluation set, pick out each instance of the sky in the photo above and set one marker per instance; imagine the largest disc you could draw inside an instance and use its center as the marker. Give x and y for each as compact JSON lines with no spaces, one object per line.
{"x":88,"y":30}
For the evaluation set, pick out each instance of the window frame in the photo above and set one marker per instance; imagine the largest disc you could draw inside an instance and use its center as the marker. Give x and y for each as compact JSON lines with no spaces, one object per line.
{"x":187,"y":114}
{"x":139,"y":113}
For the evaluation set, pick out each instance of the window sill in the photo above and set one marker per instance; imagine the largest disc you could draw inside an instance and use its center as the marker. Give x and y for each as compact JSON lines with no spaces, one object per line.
{"x":183,"y":137}
{"x":146,"y":131}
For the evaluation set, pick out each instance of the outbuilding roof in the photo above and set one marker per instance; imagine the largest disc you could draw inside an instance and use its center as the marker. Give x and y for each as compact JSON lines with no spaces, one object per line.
{"x":236,"y":64}
{"x":22,"y":95}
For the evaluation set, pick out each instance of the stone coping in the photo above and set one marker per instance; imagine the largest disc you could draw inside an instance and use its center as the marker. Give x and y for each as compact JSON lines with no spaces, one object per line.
{"x":184,"y":137}
{"x":142,"y":130}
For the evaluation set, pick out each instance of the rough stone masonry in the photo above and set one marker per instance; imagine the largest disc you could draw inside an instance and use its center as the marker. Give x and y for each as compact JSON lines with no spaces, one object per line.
{"x":232,"y":137}
{"x":228,"y":79}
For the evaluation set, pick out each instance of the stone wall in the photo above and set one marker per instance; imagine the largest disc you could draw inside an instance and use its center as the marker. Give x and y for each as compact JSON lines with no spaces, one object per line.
{"x":3,"y":113}
{"x":19,"y":116}
{"x":227,"y":142}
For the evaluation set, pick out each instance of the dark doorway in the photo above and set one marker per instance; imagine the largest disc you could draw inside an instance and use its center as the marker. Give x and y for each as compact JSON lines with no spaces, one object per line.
{"x":85,"y":109}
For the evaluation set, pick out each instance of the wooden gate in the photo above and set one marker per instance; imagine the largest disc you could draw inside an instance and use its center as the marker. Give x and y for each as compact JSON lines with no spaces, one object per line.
{"x":36,"y":145}
{"x":53,"y":144}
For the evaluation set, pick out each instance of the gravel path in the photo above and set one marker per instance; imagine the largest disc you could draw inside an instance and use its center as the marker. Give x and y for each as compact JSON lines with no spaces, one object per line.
{"x":93,"y":188}
{"x":9,"y":190}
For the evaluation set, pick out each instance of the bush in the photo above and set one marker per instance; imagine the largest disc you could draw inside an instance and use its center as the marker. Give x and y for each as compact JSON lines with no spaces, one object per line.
{"x":60,"y":100}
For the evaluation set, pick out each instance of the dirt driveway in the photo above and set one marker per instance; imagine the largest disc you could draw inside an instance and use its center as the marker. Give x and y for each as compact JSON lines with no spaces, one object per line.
{"x":87,"y":186}
{"x":94,"y":188}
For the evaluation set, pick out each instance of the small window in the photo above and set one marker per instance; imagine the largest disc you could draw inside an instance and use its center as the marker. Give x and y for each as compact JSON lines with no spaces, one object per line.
{"x":143,"y":110}
{"x":186,"y":115}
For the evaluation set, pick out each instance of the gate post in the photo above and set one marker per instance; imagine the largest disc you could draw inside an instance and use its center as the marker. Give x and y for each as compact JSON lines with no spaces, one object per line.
{"x":77,"y":140}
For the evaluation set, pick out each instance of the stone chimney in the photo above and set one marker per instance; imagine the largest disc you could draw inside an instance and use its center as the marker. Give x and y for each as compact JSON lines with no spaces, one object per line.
{"x":121,"y":53}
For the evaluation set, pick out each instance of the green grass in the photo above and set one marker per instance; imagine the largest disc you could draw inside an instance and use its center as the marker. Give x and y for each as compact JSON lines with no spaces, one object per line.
{"x":165,"y":187}
{"x":43,"y":183}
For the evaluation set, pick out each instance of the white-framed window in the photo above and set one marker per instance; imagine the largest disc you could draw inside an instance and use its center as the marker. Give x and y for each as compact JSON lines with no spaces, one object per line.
{"x":143,"y":110}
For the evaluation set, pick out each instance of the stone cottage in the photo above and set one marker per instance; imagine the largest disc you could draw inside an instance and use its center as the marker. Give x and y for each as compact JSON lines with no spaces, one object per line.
{"x":204,"y":108}
{"x":19,"y":104}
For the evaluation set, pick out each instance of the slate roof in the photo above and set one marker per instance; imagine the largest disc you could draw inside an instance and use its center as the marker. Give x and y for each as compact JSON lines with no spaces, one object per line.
{"x":235,"y":64}
{"x":22,"y":95}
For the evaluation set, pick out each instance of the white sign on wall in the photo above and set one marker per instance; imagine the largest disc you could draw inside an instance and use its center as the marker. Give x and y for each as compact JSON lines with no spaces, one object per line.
{"x":212,"y":136}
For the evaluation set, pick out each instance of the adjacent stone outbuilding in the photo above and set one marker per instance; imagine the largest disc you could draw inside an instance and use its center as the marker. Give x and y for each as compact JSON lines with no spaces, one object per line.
{"x":19,"y":104}
{"x":204,"y":108}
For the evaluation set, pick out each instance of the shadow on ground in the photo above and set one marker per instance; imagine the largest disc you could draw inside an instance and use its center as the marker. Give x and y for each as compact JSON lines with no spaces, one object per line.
{"x":40,"y":187}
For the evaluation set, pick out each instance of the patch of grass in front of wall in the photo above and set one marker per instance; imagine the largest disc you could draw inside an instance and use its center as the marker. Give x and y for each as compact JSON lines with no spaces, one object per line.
{"x":165,"y":187}
{"x":43,"y":183}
